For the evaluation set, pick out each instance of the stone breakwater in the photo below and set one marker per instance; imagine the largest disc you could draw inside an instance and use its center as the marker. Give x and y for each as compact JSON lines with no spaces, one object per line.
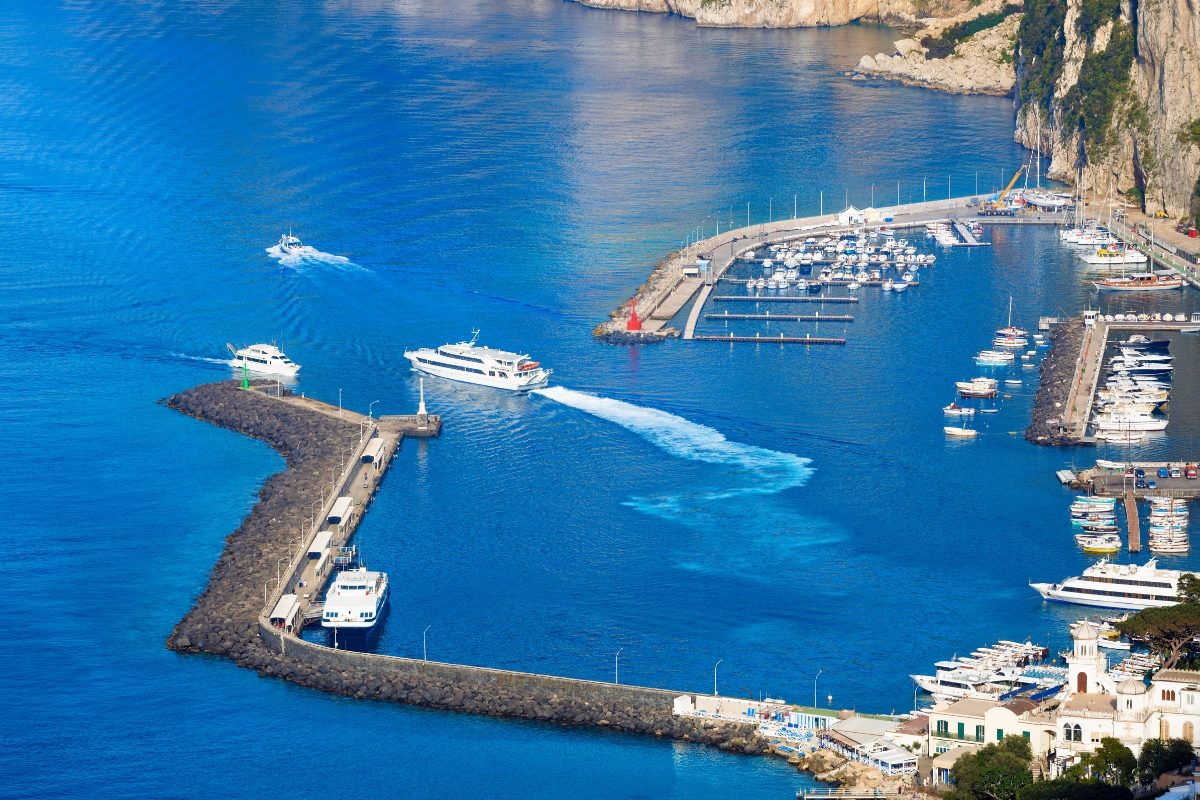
{"x":224,"y":620}
{"x":227,"y":617}
{"x":1057,"y":373}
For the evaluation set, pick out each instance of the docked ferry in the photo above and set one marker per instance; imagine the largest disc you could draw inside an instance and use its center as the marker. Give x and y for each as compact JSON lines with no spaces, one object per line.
{"x":472,"y":363}
{"x":1108,"y":585}
{"x":266,"y":359}
{"x":355,"y":600}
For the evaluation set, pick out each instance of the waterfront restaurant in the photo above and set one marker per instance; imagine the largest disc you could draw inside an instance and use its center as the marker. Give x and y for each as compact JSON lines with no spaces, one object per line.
{"x":867,"y":741}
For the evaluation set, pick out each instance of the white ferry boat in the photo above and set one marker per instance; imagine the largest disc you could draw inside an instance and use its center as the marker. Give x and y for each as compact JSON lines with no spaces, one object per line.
{"x":266,"y":359}
{"x":1108,"y":585}
{"x":355,"y":600}
{"x":470,"y":363}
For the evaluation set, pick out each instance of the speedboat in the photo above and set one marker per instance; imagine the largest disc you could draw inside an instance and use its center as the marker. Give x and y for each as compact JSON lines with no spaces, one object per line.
{"x":957,"y":432}
{"x":955,"y":410}
{"x":483,"y":366}
{"x":899,"y":286}
{"x":994,"y":357}
{"x":355,"y":600}
{"x":265,"y":359}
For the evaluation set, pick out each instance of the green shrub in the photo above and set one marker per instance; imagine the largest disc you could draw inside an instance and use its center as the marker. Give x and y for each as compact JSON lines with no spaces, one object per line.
{"x":1095,"y":14}
{"x":1103,"y":78}
{"x":1040,"y":43}
{"x":943,"y":45}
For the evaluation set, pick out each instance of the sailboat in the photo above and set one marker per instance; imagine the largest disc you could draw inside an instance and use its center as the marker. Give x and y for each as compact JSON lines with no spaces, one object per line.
{"x":1010,"y":335}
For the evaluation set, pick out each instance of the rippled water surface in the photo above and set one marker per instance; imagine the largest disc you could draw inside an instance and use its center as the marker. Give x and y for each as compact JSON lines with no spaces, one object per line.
{"x":518,"y":168}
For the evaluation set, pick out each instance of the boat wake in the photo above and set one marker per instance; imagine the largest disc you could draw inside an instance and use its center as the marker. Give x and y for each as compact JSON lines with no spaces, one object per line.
{"x":224,"y":362}
{"x":736,"y":499}
{"x":307,"y":255}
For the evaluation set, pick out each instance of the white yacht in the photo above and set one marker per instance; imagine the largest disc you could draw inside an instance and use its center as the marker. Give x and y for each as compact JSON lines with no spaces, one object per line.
{"x":471,"y":363}
{"x":266,"y":359}
{"x":355,"y":600}
{"x":289,"y":243}
{"x":1109,"y":585}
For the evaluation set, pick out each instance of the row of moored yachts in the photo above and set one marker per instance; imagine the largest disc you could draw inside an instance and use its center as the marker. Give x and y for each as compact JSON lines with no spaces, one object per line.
{"x":1136,"y":389}
{"x":1101,"y":248}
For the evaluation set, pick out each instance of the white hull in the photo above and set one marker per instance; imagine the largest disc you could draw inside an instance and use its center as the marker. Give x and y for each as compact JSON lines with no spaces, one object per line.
{"x":514,"y":381}
{"x":259,"y":369}
{"x":1050,"y":592}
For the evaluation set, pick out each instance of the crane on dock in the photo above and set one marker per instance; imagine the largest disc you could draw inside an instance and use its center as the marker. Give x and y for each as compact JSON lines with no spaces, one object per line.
{"x":998,"y":207}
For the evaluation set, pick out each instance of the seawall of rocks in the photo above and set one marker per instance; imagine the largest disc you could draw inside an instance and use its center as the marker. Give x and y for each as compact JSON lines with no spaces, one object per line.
{"x":226,"y":619}
{"x":1057,"y":372}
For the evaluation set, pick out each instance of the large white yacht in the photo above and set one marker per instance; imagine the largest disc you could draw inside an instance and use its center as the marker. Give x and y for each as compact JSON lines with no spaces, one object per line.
{"x":355,"y":600}
{"x":1109,"y":585}
{"x":290,"y":244}
{"x":472,"y":363}
{"x":263,"y":358}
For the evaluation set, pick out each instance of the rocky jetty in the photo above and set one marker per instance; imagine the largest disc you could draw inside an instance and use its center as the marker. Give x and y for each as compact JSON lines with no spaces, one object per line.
{"x":982,"y":64}
{"x":225,"y":620}
{"x":1057,"y":372}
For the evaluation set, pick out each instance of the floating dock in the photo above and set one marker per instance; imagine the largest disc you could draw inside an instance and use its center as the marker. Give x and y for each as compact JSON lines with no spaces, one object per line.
{"x":803,"y":298}
{"x":1133,"y":523}
{"x":785,"y":317}
{"x":780,"y":339}
{"x":968,"y":238}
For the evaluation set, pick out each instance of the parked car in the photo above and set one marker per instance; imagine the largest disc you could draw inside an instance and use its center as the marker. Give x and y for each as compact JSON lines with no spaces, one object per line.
{"x":1152,"y":484}
{"x":1190,"y":472}
{"x":1129,"y":472}
{"x":1163,"y":472}
{"x":1139,"y":473}
{"x":1176,"y":472}
{"x":1139,"y":484}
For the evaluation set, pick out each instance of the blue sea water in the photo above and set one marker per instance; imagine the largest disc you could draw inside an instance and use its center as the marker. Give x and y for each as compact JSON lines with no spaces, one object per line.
{"x":517,"y":168}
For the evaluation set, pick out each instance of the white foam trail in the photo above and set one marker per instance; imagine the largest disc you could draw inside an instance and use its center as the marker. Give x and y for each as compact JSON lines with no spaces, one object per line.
{"x":771,"y":471}
{"x":306,"y":254}
{"x":205,"y":359}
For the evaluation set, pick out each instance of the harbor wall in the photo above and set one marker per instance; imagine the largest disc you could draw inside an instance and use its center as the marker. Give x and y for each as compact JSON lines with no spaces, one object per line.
{"x":227,"y":619}
{"x":1057,"y":370}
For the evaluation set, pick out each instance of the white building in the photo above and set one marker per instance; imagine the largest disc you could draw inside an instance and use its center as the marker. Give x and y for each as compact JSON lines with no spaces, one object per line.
{"x":1091,"y":707}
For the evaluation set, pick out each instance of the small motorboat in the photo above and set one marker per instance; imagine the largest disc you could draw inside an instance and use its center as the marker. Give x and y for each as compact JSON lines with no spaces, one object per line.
{"x":1012,"y":382}
{"x":1099,"y":544}
{"x":956,"y":432}
{"x":955,"y":410}
{"x":899,"y":286}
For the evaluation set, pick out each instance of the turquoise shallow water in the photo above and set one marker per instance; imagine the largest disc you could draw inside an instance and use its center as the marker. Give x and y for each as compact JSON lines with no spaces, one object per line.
{"x":516,"y":168}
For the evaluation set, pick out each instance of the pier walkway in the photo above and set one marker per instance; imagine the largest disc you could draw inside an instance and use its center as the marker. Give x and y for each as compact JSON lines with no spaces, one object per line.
{"x":968,"y":238}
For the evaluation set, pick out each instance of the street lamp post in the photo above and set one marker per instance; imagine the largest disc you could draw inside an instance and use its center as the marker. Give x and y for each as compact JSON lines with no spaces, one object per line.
{"x":819,"y":671}
{"x":424,"y":649}
{"x":924,"y":185}
{"x":719,"y":660}
{"x":617,"y":666}
{"x":370,"y":409}
{"x":339,"y":403}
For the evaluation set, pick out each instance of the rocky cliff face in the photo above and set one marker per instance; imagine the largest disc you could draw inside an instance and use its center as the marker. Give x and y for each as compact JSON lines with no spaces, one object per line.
{"x":979,"y":64}
{"x":1115,"y":89}
{"x":787,"y":13}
